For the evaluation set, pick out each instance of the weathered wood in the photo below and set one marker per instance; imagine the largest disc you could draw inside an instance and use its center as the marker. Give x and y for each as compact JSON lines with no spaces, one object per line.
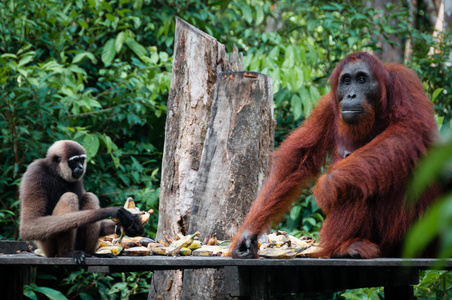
{"x":244,"y":277}
{"x":236,"y":154}
{"x":11,"y":247}
{"x":235,"y":160}
{"x":197,"y":60}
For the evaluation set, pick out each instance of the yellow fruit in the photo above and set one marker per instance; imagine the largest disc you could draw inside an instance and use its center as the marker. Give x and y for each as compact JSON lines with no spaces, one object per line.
{"x":213,"y":241}
{"x":185,"y":241}
{"x":195,"y":245}
{"x":277,"y":253}
{"x":184,"y":251}
{"x":210,"y":251}
{"x":116,"y":250}
{"x":159,"y":251}
{"x":137,"y":251}
{"x":202,"y":252}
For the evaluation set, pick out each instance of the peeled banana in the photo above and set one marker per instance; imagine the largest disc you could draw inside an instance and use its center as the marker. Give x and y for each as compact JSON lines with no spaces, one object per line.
{"x":185,"y":241}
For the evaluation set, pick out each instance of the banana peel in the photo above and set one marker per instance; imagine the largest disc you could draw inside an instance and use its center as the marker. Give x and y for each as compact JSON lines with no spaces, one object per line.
{"x":278,"y":252}
{"x":185,"y":241}
{"x":116,"y":250}
{"x":206,"y":250}
{"x":137,"y":251}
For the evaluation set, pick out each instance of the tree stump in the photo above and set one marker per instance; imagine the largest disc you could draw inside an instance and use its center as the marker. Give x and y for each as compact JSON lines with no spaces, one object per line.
{"x":235,"y":160}
{"x":197,"y":60}
{"x":199,"y":174}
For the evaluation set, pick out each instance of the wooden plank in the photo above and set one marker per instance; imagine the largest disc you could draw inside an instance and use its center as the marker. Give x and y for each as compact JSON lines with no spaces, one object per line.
{"x":248,"y":277}
{"x":189,"y":262}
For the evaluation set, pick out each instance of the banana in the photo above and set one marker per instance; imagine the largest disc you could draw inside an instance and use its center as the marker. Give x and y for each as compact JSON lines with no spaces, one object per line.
{"x":277,"y":253}
{"x":137,"y":251}
{"x":210,"y":251}
{"x":184,"y":251}
{"x":195,"y":245}
{"x":213,"y":240}
{"x":154,"y":245}
{"x":202,"y":252}
{"x":185,"y":241}
{"x":116,"y":250}
{"x":159,"y":250}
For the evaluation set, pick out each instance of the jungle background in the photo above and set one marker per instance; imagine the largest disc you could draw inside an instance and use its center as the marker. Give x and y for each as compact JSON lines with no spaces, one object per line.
{"x":99,"y":72}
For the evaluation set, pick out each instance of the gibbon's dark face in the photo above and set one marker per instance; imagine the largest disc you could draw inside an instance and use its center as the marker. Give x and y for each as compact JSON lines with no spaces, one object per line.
{"x":69,"y":159}
{"x":77,"y":165}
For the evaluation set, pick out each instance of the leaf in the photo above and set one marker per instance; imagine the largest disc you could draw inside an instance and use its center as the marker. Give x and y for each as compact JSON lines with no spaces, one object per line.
{"x":428,"y":169}
{"x":109,"y":52}
{"x":296,"y":106}
{"x":91,"y":144}
{"x":136,"y":47}
{"x":50,"y":293}
{"x":25,"y":60}
{"x":436,"y":94}
{"x":110,"y":17}
{"x":295,"y":212}
{"x":259,"y":14}
{"x":247,"y":12}
{"x":83,"y":24}
{"x":117,"y":287}
{"x":119,"y":41}
{"x":423,"y":231}
{"x":81,"y":56}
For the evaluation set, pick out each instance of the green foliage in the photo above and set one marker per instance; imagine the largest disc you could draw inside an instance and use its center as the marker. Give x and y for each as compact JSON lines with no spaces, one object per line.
{"x":78,"y":70}
{"x":99,"y":72}
{"x":431,"y":61}
{"x":434,"y":285}
{"x":437,"y":221}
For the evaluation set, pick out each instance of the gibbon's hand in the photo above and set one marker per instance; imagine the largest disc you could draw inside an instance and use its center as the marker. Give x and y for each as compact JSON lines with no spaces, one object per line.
{"x":124,"y":217}
{"x":79,"y":257}
{"x":136,"y":229}
{"x":246,"y":246}
{"x":130,"y":223}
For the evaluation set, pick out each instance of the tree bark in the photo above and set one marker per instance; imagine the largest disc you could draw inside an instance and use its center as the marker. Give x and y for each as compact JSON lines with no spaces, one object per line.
{"x":234,"y":163}
{"x":198,"y":58}
{"x":389,"y":53}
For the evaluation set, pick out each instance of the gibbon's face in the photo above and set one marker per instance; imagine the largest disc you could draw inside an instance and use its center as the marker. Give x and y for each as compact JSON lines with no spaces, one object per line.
{"x":69,"y":160}
{"x":77,"y":165}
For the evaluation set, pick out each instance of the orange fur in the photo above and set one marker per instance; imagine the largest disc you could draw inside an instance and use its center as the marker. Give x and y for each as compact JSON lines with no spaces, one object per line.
{"x":363,"y":193}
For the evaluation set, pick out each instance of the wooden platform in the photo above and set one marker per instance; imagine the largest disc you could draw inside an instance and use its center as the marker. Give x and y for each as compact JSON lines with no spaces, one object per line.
{"x":250,"y":278}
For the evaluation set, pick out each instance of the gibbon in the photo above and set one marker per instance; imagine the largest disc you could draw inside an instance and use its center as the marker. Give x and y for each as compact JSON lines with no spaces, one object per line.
{"x":58,"y":213}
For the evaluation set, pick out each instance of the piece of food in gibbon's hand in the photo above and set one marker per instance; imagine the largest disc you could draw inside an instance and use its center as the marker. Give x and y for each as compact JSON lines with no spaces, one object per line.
{"x":131,"y":207}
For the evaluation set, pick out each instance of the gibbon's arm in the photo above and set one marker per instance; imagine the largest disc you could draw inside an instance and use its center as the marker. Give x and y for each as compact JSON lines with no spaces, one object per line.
{"x":297,"y":161}
{"x":38,"y":228}
{"x":366,"y":172}
{"x":36,"y":225}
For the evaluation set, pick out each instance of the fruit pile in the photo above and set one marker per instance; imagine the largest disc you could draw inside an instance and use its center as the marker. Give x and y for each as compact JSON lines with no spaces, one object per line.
{"x":281,"y":245}
{"x":285,"y":246}
{"x":275,"y":245}
{"x":184,"y":245}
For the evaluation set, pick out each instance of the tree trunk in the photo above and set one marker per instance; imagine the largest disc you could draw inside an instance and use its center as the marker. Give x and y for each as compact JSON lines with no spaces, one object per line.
{"x":198,"y":58}
{"x":234,"y":163}
{"x":389,"y":53}
{"x":448,"y":14}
